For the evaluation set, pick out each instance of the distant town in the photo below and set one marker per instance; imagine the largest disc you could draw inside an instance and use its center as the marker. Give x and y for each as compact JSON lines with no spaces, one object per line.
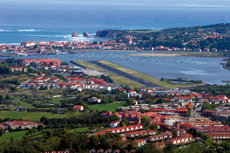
{"x":211,"y":38}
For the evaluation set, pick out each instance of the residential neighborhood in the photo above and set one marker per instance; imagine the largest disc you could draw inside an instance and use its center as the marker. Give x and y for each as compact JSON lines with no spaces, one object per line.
{"x":158,"y":116}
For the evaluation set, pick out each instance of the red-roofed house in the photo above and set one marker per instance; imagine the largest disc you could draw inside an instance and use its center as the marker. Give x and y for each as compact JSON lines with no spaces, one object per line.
{"x":114,"y":124}
{"x":141,"y":142}
{"x":159,"y":145}
{"x":18,"y":68}
{"x":181,"y":110}
{"x":3,"y":126}
{"x":94,"y":100}
{"x":183,"y":99}
{"x":78,"y":107}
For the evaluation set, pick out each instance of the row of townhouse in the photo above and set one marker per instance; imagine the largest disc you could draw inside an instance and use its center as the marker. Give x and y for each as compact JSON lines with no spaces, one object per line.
{"x":41,"y":79}
{"x":219,"y":136}
{"x":222,"y":115}
{"x":39,"y":85}
{"x":164,"y":136}
{"x":180,"y":96}
{"x":131,"y":116}
{"x":122,"y":129}
{"x":182,"y":99}
{"x":125,"y":129}
{"x":177,"y":130}
{"x":204,"y":123}
{"x":54,"y":82}
{"x":220,"y":99}
{"x":43,"y":61}
{"x":19,"y":124}
{"x":139,"y":133}
{"x":18,"y":68}
{"x":216,"y":132}
{"x":187,"y":138}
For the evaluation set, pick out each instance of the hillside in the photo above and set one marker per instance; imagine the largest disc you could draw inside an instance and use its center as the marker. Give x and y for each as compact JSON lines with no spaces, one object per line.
{"x":209,"y":37}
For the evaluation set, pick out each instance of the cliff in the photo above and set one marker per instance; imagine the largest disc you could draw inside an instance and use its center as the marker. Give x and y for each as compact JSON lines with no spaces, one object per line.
{"x":109,"y":33}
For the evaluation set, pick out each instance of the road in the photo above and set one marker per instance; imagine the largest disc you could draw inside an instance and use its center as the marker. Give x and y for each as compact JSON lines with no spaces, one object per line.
{"x":198,"y":108}
{"x":20,"y":86}
{"x":126,"y":75}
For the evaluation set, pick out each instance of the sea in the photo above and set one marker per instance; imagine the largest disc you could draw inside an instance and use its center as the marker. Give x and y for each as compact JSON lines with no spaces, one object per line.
{"x":56,"y":20}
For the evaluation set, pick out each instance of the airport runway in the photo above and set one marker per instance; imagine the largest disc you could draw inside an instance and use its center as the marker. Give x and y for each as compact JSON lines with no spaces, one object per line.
{"x":126,"y":75}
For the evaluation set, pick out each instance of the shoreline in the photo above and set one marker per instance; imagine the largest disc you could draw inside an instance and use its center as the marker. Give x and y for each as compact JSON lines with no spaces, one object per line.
{"x":159,"y":55}
{"x":175,"y":53}
{"x":225,"y":66}
{"x":141,"y":53}
{"x":99,"y":50}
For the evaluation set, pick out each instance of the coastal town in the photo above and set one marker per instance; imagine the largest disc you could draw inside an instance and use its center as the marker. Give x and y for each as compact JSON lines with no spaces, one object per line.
{"x":212,"y":39}
{"x":145,"y":116}
{"x":114,"y":76}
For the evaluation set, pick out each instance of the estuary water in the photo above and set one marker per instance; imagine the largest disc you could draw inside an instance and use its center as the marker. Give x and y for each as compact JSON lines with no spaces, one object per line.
{"x":207,"y":69}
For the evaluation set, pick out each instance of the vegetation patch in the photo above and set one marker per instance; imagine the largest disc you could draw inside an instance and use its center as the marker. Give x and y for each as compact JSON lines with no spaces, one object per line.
{"x":84,"y":129}
{"x":57,"y":100}
{"x":111,"y":107}
{"x":30,"y":116}
{"x":12,"y":136}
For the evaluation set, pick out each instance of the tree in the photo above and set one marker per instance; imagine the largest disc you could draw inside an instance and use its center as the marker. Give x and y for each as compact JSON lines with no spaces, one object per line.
{"x":4,"y":69}
{"x":1,"y":97}
{"x":228,"y":64}
{"x":207,"y":139}
{"x":86,"y":106}
{"x":153,"y":127}
{"x":94,"y":141}
{"x":40,"y":128}
{"x":226,"y":146}
{"x":146,"y":121}
{"x":206,"y":105}
{"x":1,"y":132}
{"x":7,"y":97}
{"x":48,"y":133}
{"x":131,"y":145}
{"x":124,"y":122}
{"x":149,"y":148}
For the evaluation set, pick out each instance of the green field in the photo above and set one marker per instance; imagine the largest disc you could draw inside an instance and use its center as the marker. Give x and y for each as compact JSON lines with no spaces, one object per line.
{"x":18,"y":135}
{"x":57,"y":101}
{"x":12,"y":135}
{"x":119,"y":80}
{"x":144,"y":76}
{"x":31,"y":116}
{"x":111,"y":107}
{"x":23,"y":104}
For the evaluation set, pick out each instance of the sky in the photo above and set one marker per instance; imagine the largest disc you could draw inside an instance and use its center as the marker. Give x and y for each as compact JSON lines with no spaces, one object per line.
{"x":149,"y":3}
